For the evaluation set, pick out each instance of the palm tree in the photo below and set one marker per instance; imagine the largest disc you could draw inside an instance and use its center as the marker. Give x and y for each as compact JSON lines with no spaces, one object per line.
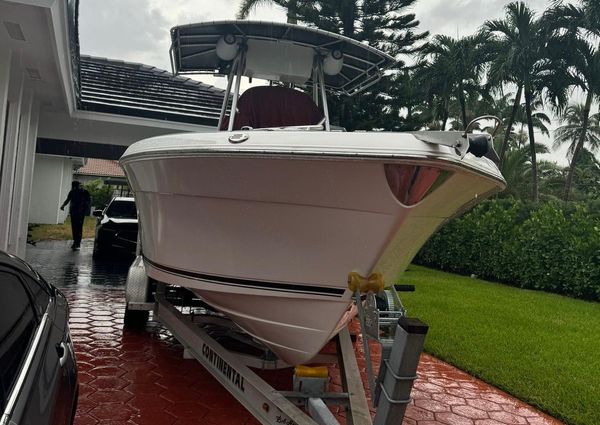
{"x":517,"y":170}
{"x":587,"y":179}
{"x":406,"y":106}
{"x":453,"y":68}
{"x":592,"y":11}
{"x":579,"y":130}
{"x":498,"y":104}
{"x":507,"y":43}
{"x":587,"y":69}
{"x":575,"y":30}
{"x":540,"y":121}
{"x":248,"y":6}
{"x":384,"y":24}
{"x":519,"y":43}
{"x":552,"y":179}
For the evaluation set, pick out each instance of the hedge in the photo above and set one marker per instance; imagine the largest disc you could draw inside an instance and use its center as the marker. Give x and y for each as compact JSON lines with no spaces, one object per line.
{"x":550,"y":247}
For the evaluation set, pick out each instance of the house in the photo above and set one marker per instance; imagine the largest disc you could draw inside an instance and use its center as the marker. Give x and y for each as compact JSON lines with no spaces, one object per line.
{"x":57,"y":106}
{"x":108,"y":171}
{"x":52,"y":176}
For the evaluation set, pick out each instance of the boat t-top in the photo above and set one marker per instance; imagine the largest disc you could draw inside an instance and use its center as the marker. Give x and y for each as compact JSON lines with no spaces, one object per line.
{"x":267,"y":219}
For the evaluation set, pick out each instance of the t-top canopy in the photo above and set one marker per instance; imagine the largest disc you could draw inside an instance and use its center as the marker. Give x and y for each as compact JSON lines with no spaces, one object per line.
{"x":277,"y":51}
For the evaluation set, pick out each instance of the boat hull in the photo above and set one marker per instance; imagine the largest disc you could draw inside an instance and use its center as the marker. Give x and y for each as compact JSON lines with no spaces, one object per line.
{"x":270,"y":239}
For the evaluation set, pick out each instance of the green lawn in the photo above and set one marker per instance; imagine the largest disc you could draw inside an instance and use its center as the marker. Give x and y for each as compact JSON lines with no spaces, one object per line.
{"x":542,"y":348}
{"x":41,"y":232}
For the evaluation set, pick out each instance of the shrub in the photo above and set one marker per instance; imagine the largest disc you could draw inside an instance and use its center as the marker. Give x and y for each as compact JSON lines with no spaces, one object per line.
{"x":550,"y":247}
{"x":100,"y":193}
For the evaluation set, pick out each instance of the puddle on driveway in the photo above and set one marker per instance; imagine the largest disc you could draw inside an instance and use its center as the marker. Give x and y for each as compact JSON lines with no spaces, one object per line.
{"x":66,"y":268}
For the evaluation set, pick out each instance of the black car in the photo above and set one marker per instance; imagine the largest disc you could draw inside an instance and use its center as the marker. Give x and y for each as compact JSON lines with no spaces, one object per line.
{"x":116,"y":228}
{"x":38,"y":374}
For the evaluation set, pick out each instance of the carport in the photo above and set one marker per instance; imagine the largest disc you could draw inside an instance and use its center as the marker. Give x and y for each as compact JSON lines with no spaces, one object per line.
{"x":55,"y":101}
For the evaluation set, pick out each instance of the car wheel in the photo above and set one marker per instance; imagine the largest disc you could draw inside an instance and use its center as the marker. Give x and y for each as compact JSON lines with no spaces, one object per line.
{"x":98,"y":251}
{"x":135,"y":319}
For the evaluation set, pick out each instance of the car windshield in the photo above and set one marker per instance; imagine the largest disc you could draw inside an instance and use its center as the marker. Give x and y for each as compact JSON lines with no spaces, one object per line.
{"x":122,"y":209}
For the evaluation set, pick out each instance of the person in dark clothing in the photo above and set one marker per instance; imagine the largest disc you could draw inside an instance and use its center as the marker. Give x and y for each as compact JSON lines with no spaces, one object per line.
{"x":79,"y":200}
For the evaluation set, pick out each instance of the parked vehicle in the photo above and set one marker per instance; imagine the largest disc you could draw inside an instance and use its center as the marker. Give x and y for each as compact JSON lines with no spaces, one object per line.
{"x":38,"y":373}
{"x":116,"y":228}
{"x":267,"y":220}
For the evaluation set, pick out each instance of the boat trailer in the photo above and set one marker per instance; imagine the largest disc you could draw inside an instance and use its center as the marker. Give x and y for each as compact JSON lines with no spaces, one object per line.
{"x":382,"y":318}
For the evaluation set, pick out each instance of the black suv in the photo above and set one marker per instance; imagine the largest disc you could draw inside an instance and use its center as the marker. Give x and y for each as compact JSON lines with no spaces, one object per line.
{"x":38,"y":374}
{"x":116,"y":228}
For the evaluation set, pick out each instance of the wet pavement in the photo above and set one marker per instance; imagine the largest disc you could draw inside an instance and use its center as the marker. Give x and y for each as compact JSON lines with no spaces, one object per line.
{"x":139,"y":377}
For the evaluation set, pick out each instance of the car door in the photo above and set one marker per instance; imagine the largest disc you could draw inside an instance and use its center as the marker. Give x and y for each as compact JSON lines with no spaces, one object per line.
{"x":18,"y":336}
{"x":58,"y":371}
{"x":39,"y":387}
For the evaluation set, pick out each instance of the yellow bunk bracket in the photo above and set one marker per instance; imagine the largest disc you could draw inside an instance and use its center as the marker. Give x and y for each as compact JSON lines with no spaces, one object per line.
{"x":374,"y":282}
{"x":371,"y":285}
{"x":311,"y":372}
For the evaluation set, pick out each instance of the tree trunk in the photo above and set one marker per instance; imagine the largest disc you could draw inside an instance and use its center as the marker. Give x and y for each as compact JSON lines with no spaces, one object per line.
{"x":534,"y":174}
{"x":291,"y":13}
{"x":444,"y":121}
{"x":347,"y":116}
{"x":463,"y":107}
{"x":348,"y":17}
{"x":446,"y":113}
{"x":511,"y":120}
{"x":579,"y":146}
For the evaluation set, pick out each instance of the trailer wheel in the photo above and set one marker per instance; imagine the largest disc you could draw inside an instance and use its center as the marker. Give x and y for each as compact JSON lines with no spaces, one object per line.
{"x":135,"y":319}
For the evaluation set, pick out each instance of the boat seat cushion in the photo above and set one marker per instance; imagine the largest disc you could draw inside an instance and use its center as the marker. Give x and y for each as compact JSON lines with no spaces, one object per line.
{"x":273,"y":106}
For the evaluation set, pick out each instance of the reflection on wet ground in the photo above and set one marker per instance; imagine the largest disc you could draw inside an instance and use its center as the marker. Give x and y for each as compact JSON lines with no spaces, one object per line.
{"x":130,"y":377}
{"x":64,"y":268}
{"x":138,"y":377}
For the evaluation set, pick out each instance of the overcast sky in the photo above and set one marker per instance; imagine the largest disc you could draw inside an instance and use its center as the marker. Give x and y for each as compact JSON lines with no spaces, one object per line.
{"x":138,"y":30}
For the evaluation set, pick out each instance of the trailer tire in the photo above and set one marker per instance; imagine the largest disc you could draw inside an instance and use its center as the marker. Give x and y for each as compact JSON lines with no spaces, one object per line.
{"x":135,"y":319}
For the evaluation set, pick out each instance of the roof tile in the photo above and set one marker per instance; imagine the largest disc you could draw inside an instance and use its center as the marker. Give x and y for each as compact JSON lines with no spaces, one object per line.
{"x":125,"y":88}
{"x":101,"y":168}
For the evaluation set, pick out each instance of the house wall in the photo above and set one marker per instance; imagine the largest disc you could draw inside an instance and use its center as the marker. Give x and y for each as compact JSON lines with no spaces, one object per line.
{"x":52,"y":178}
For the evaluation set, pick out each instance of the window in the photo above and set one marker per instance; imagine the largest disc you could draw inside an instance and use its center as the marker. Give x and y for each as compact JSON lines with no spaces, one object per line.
{"x":39,"y":293}
{"x":17,"y":325}
{"x":122,"y":209}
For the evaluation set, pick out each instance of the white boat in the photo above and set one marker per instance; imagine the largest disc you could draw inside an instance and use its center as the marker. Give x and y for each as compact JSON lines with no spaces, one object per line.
{"x":266,"y":224}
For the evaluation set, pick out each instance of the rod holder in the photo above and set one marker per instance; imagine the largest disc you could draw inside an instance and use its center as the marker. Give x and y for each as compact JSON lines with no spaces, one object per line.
{"x":398,"y":371}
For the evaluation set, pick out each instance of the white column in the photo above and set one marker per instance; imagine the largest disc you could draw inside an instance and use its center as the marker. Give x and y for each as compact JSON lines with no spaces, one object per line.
{"x":17,"y":237}
{"x":5,"y":61}
{"x":15,"y":98}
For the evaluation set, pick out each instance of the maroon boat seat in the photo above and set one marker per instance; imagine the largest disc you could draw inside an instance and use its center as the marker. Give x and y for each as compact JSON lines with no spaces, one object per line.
{"x":274,"y":106}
